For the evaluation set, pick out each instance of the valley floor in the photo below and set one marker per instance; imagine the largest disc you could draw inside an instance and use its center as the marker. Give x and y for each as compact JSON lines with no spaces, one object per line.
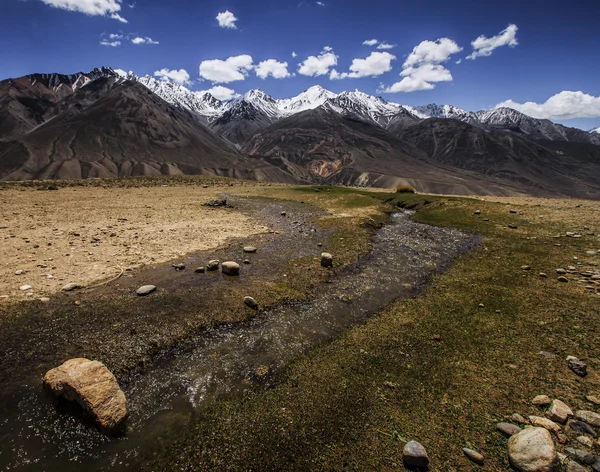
{"x":441,"y":368}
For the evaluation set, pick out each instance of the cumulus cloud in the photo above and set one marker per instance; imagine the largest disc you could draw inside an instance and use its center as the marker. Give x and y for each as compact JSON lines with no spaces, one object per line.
{"x":90,"y":7}
{"x":227,"y":19}
{"x":273,"y":68}
{"x":115,"y":36}
{"x":386,"y":46}
{"x":230,"y":70}
{"x":112,"y":44}
{"x":483,"y":46}
{"x":422,"y":68}
{"x":180,"y":76}
{"x":315,"y":66}
{"x":375,"y":64}
{"x":221,"y":93}
{"x":146,"y":40}
{"x":294,"y":54}
{"x":564,"y":105}
{"x":370,"y":42}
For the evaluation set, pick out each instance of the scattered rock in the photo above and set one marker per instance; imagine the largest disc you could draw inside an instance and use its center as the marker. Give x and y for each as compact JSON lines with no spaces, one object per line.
{"x":24,"y":288}
{"x":230,"y":268}
{"x":525,"y":267}
{"x":585,"y":441}
{"x":477,"y":212}
{"x":326,"y":260}
{"x":415,"y":455}
{"x":547,"y":355}
{"x":518,"y":418}
{"x":508,"y":429}
{"x":562,"y":279}
{"x":251,"y":302}
{"x":561,"y":271}
{"x":543,"y":275}
{"x":146,"y":290}
{"x":200,"y":270}
{"x":569,"y":465}
{"x":481,"y":305}
{"x":514,"y":212}
{"x":512,"y":226}
{"x":473,"y":455}
{"x":589,"y":417}
{"x":544,"y":423}
{"x":436,"y":337}
{"x":212,"y":265}
{"x":559,"y":412}
{"x":19,"y":272}
{"x":532,"y":450}
{"x":577,"y":366}
{"x":91,"y":385}
{"x":250,"y":249}
{"x":591,"y":398}
{"x":70,"y":287}
{"x":45,"y":300}
{"x":217,"y":204}
{"x":179,"y":267}
{"x":580,"y":427}
{"x":578,"y":455}
{"x":542,"y":400}
{"x":283,"y":213}
{"x":247,"y":261}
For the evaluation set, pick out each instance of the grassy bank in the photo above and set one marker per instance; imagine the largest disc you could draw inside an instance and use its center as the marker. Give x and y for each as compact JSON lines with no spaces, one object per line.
{"x":441,"y":369}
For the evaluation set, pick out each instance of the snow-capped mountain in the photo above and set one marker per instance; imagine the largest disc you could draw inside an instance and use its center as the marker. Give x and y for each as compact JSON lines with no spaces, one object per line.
{"x":308,"y":100}
{"x":595,"y":131}
{"x":434,"y":110}
{"x":71,"y":82}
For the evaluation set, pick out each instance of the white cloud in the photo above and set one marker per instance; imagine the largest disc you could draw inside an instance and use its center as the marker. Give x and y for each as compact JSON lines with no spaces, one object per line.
{"x":180,"y":76}
{"x":221,"y":93}
{"x":321,"y":4}
{"x":315,"y":66}
{"x":115,"y":36}
{"x":230,"y":70}
{"x":459,"y":61}
{"x":294,"y":54}
{"x":370,"y":42}
{"x":116,"y":16}
{"x":273,"y":68}
{"x":227,"y":19}
{"x":386,"y":46}
{"x":422,"y":68}
{"x":146,"y":40}
{"x":483,"y":46}
{"x":564,"y":105}
{"x":112,"y":44}
{"x":375,"y":64}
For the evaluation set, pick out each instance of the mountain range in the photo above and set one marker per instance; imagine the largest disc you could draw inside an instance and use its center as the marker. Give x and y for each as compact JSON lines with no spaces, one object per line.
{"x":103,"y":124}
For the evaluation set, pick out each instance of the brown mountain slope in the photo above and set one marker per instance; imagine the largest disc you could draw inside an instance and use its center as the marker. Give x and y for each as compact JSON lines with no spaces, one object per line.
{"x":509,"y":156}
{"x":323,"y":146}
{"x":122,"y":130}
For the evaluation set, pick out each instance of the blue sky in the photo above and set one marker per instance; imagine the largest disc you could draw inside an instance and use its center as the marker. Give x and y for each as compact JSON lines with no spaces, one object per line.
{"x":550,"y":48}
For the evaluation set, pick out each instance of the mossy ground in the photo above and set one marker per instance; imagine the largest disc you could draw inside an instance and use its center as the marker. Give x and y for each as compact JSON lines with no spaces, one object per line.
{"x":351,"y":404}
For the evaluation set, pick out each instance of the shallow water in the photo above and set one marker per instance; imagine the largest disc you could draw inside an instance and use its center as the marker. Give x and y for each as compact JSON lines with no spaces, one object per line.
{"x":228,"y":360}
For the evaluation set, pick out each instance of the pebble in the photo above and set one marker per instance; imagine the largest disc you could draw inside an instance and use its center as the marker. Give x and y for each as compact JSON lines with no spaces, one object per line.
{"x":525,"y":267}
{"x":326,"y":260}
{"x":251,"y":302}
{"x":24,"y":288}
{"x":563,"y":279}
{"x":584,"y":440}
{"x":481,"y":305}
{"x":146,"y":290}
{"x":415,"y":455}
{"x":70,"y":287}
{"x":544,"y":423}
{"x":19,"y":272}
{"x":513,"y":211}
{"x":512,"y":226}
{"x":559,"y":412}
{"x":569,"y":465}
{"x":517,"y":418}
{"x":588,"y":417}
{"x":179,"y":266}
{"x":561,"y":271}
{"x":247,"y":261}
{"x":508,"y":429}
{"x":532,"y":450}
{"x":580,"y":427}
{"x":230,"y":268}
{"x":283,"y":213}
{"x":542,"y":400}
{"x":212,"y":265}
{"x":477,"y":212}
{"x":473,"y":455}
{"x":578,"y":455}
{"x":577,"y":366}
{"x":543,"y":275}
{"x":250,"y":249}
{"x":200,"y":270}
{"x":45,"y":300}
{"x":591,"y":398}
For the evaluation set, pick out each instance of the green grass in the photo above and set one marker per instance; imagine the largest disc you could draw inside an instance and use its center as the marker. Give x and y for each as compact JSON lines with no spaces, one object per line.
{"x":333,"y":410}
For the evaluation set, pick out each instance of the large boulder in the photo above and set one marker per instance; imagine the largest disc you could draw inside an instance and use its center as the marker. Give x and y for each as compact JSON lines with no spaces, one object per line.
{"x":94,"y":388}
{"x":532,"y":450}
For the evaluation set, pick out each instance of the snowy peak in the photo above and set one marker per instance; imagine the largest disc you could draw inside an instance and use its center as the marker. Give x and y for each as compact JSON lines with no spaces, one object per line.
{"x":310,"y":99}
{"x":595,"y":131}
{"x":434,"y":110}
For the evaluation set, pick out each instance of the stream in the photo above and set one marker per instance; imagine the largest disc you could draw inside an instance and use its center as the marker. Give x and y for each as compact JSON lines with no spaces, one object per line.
{"x":228,"y":360}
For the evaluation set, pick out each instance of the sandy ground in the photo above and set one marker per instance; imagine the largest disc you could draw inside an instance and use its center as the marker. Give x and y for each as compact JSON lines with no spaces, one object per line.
{"x":86,"y":235}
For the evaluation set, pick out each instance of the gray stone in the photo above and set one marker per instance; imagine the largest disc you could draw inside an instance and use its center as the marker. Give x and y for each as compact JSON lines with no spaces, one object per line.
{"x":230,"y":268}
{"x":543,"y":275}
{"x":415,"y":455}
{"x":24,"y":288}
{"x":563,"y":279}
{"x":179,"y":266}
{"x":580,"y":427}
{"x":508,"y":429}
{"x":517,"y":418}
{"x":569,"y":465}
{"x":578,"y":367}
{"x":542,"y":400}
{"x":589,"y":417}
{"x":544,"y":423}
{"x":212,"y":265}
{"x":585,"y":441}
{"x":146,"y":290}
{"x":251,"y":302}
{"x":250,"y":249}
{"x":559,"y":412}
{"x":19,"y":272}
{"x":579,"y":455}
{"x":477,"y":212}
{"x":200,"y":270}
{"x":45,"y":300}
{"x":514,"y":212}
{"x":525,"y":267}
{"x":532,"y":450}
{"x":326,"y":260}
{"x":561,"y":271}
{"x":70,"y":287}
{"x":473,"y":455}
